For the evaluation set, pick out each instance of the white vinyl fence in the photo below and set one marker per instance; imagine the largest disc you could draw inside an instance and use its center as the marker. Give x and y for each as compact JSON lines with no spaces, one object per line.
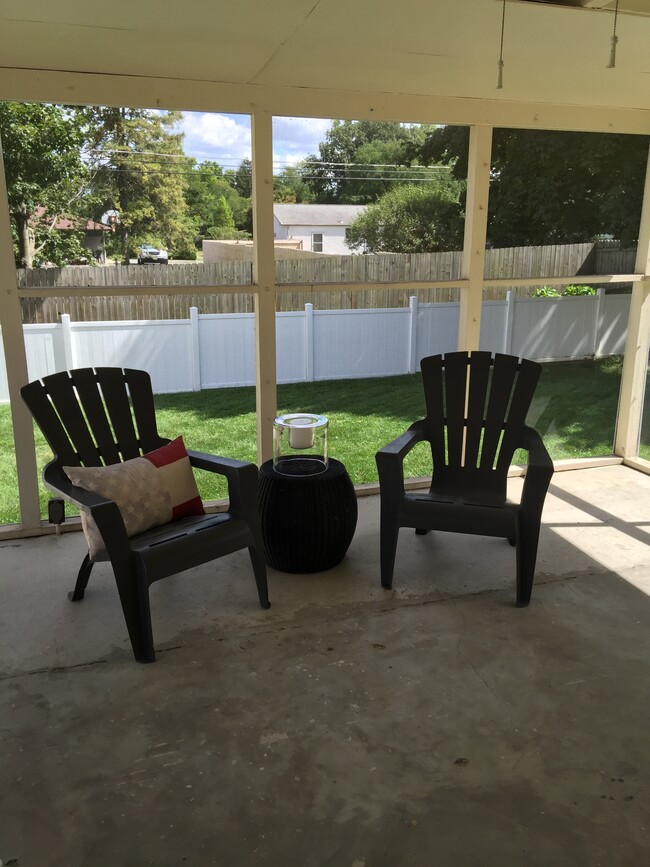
{"x":217,"y":350}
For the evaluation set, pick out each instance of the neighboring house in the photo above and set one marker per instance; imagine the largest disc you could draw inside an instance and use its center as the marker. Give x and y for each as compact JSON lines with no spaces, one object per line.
{"x":321,"y":228}
{"x":94,"y":233}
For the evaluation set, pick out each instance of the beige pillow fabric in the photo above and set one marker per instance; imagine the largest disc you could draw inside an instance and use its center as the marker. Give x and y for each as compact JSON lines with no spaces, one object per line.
{"x":137,"y":488}
{"x":154,"y":489}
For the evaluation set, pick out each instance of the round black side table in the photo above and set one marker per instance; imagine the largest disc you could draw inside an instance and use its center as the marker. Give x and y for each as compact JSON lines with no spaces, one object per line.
{"x":307,"y":521}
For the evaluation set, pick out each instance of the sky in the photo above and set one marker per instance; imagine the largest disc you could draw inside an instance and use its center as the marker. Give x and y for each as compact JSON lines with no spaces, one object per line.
{"x":226,"y":138}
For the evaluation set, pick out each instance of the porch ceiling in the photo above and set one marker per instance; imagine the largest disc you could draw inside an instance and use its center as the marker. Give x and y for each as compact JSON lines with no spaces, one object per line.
{"x":445,"y":48}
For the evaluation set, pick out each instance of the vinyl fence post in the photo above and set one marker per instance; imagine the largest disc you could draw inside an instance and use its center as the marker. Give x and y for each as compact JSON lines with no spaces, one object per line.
{"x":309,"y":342}
{"x":508,"y":324}
{"x":598,"y":318}
{"x":66,"y":333}
{"x":195,"y":365}
{"x":412,"y":364}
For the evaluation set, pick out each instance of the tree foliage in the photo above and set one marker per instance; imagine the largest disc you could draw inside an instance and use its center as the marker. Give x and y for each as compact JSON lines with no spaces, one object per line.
{"x":290,"y":186}
{"x":140,"y":171}
{"x":359,"y":161}
{"x":411,"y":219}
{"x":46,"y":176}
{"x":213,"y":202}
{"x":552,"y":187}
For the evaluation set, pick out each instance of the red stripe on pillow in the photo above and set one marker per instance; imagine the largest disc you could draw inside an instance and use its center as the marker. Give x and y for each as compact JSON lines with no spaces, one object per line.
{"x":179,"y":479}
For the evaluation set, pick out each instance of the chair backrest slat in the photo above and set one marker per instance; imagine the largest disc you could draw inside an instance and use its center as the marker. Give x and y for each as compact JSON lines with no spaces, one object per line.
{"x":113,"y":386}
{"x":455,"y":365}
{"x":38,"y":401}
{"x":139,"y":383}
{"x":91,"y":399}
{"x":527,"y":379}
{"x":433,"y":381}
{"x":481,"y":364}
{"x":61,"y":390}
{"x":504,"y":372}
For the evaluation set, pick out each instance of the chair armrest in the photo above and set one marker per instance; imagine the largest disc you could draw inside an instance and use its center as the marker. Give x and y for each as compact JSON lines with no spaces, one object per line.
{"x":240,"y":475}
{"x":104,"y":512}
{"x":57,"y":481}
{"x":390,"y":458}
{"x":538,"y":472}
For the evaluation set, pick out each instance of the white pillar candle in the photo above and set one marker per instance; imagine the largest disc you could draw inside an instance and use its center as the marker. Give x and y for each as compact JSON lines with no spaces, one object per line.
{"x":300,"y":435}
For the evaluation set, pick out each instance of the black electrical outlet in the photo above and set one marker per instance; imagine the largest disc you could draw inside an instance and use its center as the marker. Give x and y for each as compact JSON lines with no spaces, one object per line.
{"x":56,"y":511}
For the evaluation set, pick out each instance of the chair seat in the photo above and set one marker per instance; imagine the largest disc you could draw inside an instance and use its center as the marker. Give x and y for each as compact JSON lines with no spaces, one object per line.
{"x":189,"y":542}
{"x":433,"y":512}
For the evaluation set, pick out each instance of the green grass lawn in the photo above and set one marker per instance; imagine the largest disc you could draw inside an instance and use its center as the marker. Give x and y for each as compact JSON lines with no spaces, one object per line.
{"x":574,"y":410}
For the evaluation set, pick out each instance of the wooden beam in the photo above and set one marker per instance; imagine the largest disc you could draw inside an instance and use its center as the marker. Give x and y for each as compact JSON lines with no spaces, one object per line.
{"x":264,"y":279}
{"x":42,"y":85}
{"x":637,"y":345}
{"x":476,"y":213}
{"x":16,"y":366}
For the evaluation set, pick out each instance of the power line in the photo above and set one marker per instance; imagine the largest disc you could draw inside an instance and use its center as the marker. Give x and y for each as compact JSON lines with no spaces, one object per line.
{"x":397,"y":176}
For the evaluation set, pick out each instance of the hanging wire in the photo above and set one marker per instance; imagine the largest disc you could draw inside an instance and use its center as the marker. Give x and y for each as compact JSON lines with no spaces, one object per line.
{"x":500,"y":63}
{"x":614,"y":40}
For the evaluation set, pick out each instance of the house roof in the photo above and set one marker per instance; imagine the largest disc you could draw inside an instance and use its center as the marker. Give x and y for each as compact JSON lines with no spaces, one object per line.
{"x":251,"y":53}
{"x":78,"y":223}
{"x":317,"y":215}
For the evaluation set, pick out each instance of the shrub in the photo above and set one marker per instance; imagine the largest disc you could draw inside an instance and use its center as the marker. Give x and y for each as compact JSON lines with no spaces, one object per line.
{"x":579,"y":290}
{"x":573,"y":290}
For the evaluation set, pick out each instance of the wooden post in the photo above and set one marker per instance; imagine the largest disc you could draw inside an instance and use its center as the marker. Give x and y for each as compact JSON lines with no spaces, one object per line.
{"x":637,"y":345}
{"x":476,"y":213}
{"x":16,"y":366}
{"x":264,"y":280}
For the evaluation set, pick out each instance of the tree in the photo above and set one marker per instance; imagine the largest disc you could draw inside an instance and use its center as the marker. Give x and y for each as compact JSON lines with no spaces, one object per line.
{"x":208,"y":194}
{"x":141,"y":172}
{"x":553,"y":187}
{"x":359,"y":161}
{"x":411,"y":219}
{"x":290,"y":186}
{"x":46,"y":177}
{"x":242,"y":179}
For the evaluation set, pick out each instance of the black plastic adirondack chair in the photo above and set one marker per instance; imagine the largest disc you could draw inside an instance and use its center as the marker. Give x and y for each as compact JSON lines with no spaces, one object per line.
{"x":476,"y":410}
{"x":104,"y":416}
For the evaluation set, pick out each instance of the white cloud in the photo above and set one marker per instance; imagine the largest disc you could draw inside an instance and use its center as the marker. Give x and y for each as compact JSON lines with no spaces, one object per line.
{"x":223,"y":138}
{"x":226,"y":138}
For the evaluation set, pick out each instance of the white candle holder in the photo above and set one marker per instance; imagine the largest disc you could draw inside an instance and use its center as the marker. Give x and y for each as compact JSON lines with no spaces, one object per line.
{"x":300,"y":444}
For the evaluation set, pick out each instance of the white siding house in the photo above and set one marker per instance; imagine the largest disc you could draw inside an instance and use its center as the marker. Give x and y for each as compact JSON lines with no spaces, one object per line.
{"x":321,"y":228}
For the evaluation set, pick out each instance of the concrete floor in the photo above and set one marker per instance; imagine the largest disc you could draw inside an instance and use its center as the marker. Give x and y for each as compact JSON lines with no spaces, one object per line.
{"x":434,"y":724}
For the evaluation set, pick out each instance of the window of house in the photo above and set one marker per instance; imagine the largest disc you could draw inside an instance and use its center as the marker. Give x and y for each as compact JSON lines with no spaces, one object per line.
{"x":317,"y":242}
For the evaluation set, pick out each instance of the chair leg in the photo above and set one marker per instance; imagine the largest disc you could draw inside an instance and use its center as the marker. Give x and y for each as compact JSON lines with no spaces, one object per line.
{"x":134,"y":598}
{"x":259,"y":569}
{"x":389,"y":535}
{"x":82,"y":580}
{"x":527,"y":540}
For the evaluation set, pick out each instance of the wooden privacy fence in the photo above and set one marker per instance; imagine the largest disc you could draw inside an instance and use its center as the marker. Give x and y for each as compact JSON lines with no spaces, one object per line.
{"x":218,"y":350}
{"x":386,"y":270}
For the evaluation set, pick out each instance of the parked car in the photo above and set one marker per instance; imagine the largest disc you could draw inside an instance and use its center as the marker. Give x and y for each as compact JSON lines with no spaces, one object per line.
{"x":148,"y":255}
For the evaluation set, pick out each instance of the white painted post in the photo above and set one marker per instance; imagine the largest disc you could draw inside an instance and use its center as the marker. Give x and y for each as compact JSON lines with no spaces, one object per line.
{"x":264,"y":280}
{"x":11,"y":321}
{"x":509,"y":323}
{"x":598,"y":317}
{"x":309,"y":342}
{"x":637,"y":344}
{"x":476,"y":213}
{"x":196,"y":349}
{"x":66,"y":332}
{"x":412,"y":358}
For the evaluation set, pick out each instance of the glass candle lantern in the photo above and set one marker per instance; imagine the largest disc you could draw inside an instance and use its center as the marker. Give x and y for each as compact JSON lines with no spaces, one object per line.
{"x":300,"y":444}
